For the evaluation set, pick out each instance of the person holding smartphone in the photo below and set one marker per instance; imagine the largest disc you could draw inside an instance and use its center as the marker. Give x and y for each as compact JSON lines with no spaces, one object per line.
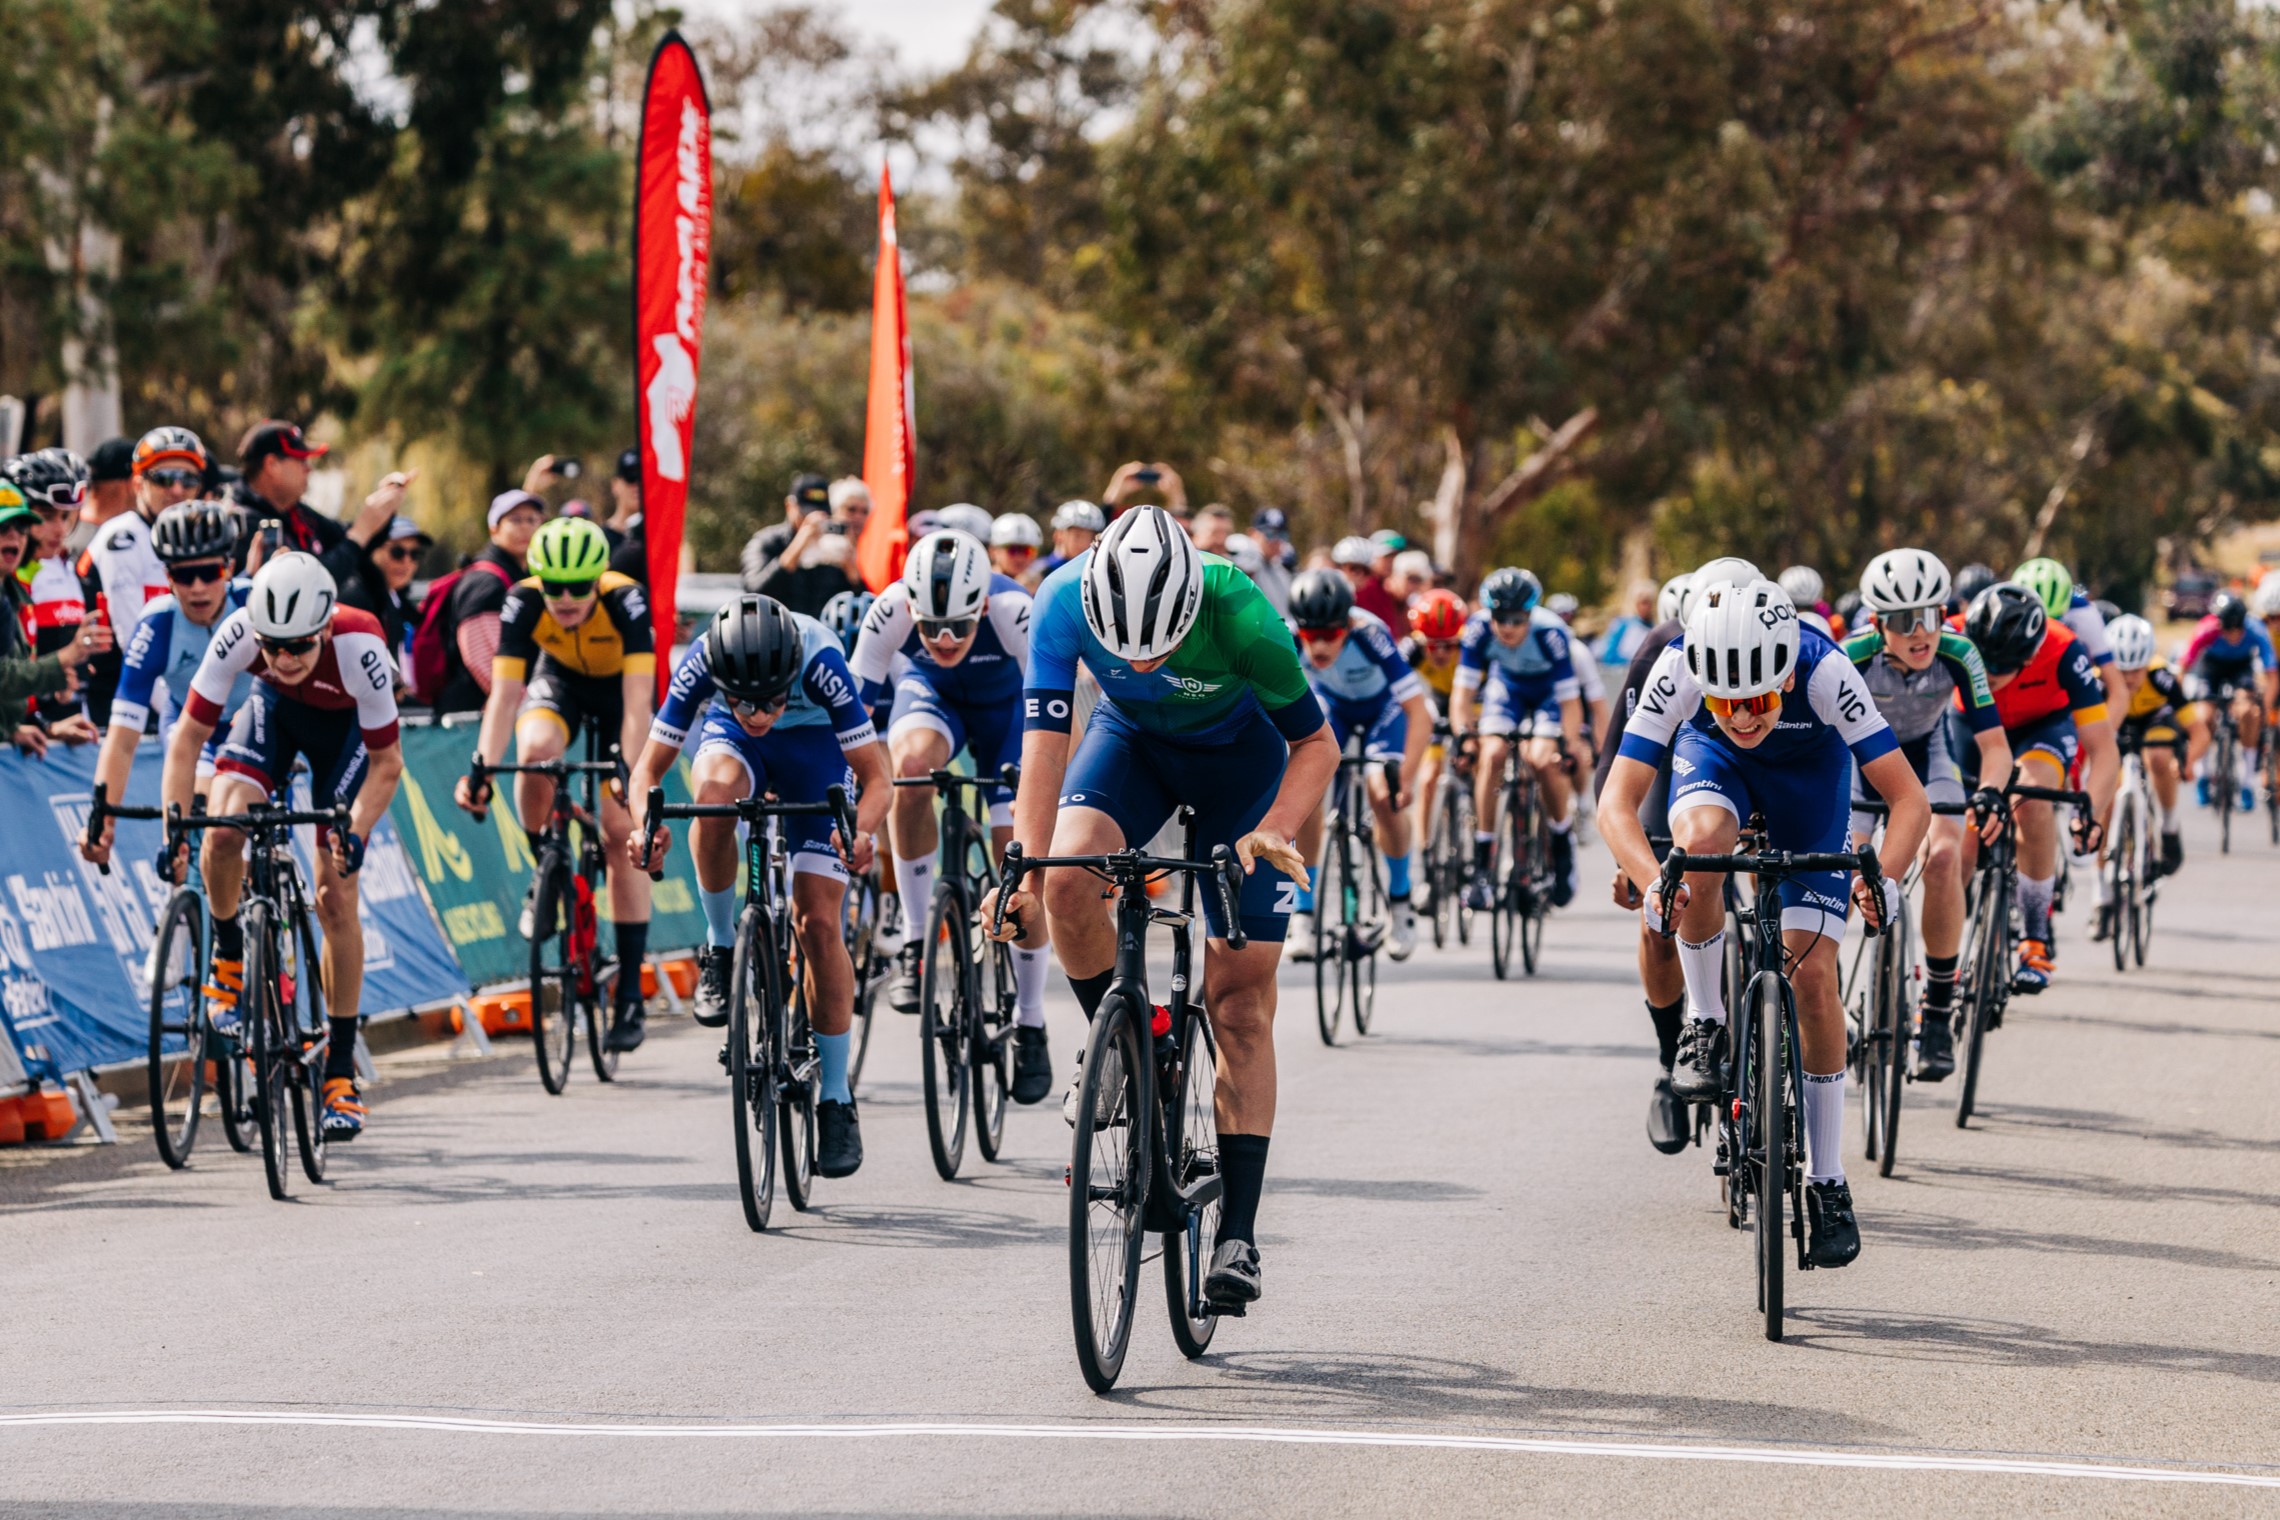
{"x":808,"y":559}
{"x":1136,"y":482}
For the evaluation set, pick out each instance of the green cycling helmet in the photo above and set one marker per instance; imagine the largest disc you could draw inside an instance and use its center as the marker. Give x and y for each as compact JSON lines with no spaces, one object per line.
{"x":569,"y":549}
{"x":2049,"y":581}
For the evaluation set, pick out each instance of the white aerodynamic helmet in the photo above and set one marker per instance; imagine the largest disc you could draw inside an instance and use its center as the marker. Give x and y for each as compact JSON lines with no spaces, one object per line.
{"x":1143,"y":585}
{"x":1740,"y":571}
{"x":2264,"y":601}
{"x":1080,"y":514}
{"x":1353,"y":550}
{"x":1741,"y":640}
{"x":1803,"y":583}
{"x":967,"y":518}
{"x":1901,"y":579}
{"x":1671,"y":597}
{"x":948,"y":574}
{"x":293,"y":597}
{"x":2131,"y":639}
{"x":1016,"y":530}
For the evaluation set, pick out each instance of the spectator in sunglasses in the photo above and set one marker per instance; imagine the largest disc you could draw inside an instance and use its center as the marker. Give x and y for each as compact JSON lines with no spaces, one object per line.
{"x":383,"y":585}
{"x":26,"y":675}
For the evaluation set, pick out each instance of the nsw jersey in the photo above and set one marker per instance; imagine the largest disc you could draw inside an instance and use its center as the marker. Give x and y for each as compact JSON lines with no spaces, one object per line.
{"x":1827,"y":705}
{"x":2058,"y":678}
{"x":824,"y":693}
{"x":165,"y":653}
{"x":989,"y":675}
{"x":1237,"y":662}
{"x":1538,"y":669}
{"x":353,"y":671}
{"x":1916,"y":701}
{"x":1369,"y":667}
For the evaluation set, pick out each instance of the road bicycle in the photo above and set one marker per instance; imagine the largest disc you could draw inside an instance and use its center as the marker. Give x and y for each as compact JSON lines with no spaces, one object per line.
{"x":2221,"y":764}
{"x":1523,"y":895}
{"x":570,"y":983}
{"x":1760,"y":1142}
{"x":1146,"y":1150}
{"x":1989,"y":960}
{"x":1448,"y":844}
{"x":282,"y":1009}
{"x":1350,"y":899}
{"x":2133,"y":855}
{"x":773,"y":1071}
{"x":966,"y":987}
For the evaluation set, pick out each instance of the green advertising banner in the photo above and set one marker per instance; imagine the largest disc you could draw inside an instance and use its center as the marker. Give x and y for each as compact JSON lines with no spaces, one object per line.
{"x":476,"y":873}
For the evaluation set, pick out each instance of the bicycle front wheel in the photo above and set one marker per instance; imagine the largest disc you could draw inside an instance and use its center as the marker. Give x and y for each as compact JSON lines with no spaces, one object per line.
{"x":860,"y":929}
{"x":1990,"y":964}
{"x":946,"y":1030}
{"x":752,"y":1012}
{"x":1191,"y":1144}
{"x":1108,"y":1185}
{"x":262,"y":1012}
{"x":1538,"y":905}
{"x":180,"y":1043}
{"x":1330,"y":939}
{"x":2121,"y":881}
{"x":1370,"y":919}
{"x":554,"y":1010}
{"x":1771,"y":1094}
{"x":993,"y":1049}
{"x":1894,"y":963}
{"x":305,"y":1006}
{"x":1510,"y":868}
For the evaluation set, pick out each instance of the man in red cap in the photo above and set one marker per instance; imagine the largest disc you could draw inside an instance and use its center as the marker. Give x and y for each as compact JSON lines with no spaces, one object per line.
{"x":275,"y":457}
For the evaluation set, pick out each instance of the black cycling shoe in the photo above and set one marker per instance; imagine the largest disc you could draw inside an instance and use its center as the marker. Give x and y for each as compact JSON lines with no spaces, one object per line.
{"x":2103,"y":930}
{"x":1233,"y":1280}
{"x":1032,"y":1065}
{"x":910,"y":965}
{"x":628,"y":1029}
{"x":2172,"y":853}
{"x":1935,"y":1048}
{"x":710,"y":1006}
{"x":1699,"y":1075}
{"x":1667,"y":1127}
{"x":838,"y":1140}
{"x":1829,"y":1221}
{"x":1563,"y":868}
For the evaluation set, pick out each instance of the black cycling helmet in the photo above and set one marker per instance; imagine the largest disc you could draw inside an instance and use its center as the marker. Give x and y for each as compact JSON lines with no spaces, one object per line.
{"x":51,"y":478}
{"x":754,"y":649}
{"x":1969,"y":582}
{"x":191,"y":530}
{"x":2007,"y":622}
{"x":1321,"y":599}
{"x":1510,"y":594}
{"x":2231,"y":612}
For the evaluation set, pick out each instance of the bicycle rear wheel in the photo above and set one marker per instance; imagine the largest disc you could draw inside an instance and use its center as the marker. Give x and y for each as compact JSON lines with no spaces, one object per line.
{"x":180,"y":1043}
{"x":554,"y":1011}
{"x":1369,"y":927}
{"x":598,"y":994}
{"x":1330,"y":977}
{"x":234,"y":1087}
{"x":1108,"y":1183}
{"x":1191,"y":1142}
{"x":945,"y":1033}
{"x":1510,"y":868}
{"x":752,"y":1011}
{"x":1538,"y":905}
{"x":1990,"y":983}
{"x":993,"y":1050}
{"x":263,"y":1013}
{"x":2121,"y":880}
{"x":306,"y":1007}
{"x":1771,"y":1092}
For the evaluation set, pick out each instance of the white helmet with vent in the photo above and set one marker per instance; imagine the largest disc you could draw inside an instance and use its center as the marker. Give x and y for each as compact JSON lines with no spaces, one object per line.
{"x":1901,"y":579}
{"x":2131,"y":639}
{"x":1741,"y":639}
{"x":1143,"y":585}
{"x":1672,"y":597}
{"x":948,"y":574}
{"x":293,"y":596}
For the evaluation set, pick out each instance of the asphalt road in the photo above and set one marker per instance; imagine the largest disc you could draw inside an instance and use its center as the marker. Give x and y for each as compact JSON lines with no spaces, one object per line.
{"x":1485,"y":1293}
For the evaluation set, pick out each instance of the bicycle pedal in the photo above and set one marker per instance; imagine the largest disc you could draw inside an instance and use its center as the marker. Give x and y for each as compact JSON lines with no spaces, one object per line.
{"x":1224,"y":1311}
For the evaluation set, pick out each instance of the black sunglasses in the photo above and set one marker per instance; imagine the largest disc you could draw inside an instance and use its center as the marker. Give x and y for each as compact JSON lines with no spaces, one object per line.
{"x":744,"y":709}
{"x":931,"y":630}
{"x":402,"y":553}
{"x":173,"y":479}
{"x":567,"y":590}
{"x":289,"y":646}
{"x":197,"y":575}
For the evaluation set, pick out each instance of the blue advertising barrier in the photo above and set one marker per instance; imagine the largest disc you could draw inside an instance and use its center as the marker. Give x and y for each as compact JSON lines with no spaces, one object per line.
{"x":74,"y":943}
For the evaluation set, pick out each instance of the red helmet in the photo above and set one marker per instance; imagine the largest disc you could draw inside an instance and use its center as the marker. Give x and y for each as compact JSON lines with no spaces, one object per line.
{"x":1438,"y":615}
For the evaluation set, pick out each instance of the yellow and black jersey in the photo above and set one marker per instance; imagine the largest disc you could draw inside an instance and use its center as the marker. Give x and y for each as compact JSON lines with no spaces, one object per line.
{"x":1440,"y":677}
{"x":2160,"y":689}
{"x":613,"y":640}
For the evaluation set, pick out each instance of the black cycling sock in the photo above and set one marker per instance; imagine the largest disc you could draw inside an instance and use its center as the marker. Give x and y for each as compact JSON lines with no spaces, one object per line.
{"x":1669,"y":1020}
{"x":1090,"y":990}
{"x":229,"y":940}
{"x":1243,"y":1176}
{"x":1481,"y":847}
{"x":1939,"y":982}
{"x":1394,"y":897}
{"x":632,"y":946}
{"x":340,"y":1054}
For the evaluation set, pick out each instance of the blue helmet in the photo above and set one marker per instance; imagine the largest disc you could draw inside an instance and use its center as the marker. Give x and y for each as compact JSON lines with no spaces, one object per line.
{"x":1509,"y":594}
{"x":844,"y":614}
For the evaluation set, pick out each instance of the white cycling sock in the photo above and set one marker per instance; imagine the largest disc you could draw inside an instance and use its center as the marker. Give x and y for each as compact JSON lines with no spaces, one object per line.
{"x":1561,"y":826}
{"x":1029,"y":967}
{"x":914,"y":879}
{"x":2244,"y":761}
{"x":1825,"y":1127}
{"x":2034,"y":904}
{"x":1703,"y":965}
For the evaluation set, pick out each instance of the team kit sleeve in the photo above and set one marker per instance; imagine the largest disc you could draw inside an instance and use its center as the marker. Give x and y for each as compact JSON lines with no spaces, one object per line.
{"x":1265,"y":655}
{"x":518,"y":635}
{"x":692,"y":688}
{"x":886,"y":628}
{"x":229,"y":656}
{"x":1048,"y":694}
{"x":2085,"y":693}
{"x":2088,"y":626}
{"x":1472,"y":654}
{"x":121,"y":573}
{"x":1973,"y":691}
{"x":1667,"y":698}
{"x":370,"y":677}
{"x":1841,"y":699}
{"x":145,"y":660}
{"x":1378,"y":644}
{"x":1566,"y":686}
{"x":1011,"y":609}
{"x":629,"y":609}
{"x":831,"y":686}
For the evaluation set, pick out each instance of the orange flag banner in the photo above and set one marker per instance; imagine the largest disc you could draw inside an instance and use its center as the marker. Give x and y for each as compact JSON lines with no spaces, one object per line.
{"x":890,"y":445}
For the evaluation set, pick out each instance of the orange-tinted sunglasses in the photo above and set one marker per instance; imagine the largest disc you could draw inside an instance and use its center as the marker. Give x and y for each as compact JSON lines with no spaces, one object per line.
{"x":1758,"y":706}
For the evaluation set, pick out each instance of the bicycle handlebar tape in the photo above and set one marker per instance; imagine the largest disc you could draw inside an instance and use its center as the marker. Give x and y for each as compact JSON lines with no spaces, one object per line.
{"x":1229,"y":876}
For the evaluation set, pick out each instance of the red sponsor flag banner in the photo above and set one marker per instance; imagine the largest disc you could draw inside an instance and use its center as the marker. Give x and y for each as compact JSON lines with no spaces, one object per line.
{"x":672,"y":258}
{"x":890,"y":444}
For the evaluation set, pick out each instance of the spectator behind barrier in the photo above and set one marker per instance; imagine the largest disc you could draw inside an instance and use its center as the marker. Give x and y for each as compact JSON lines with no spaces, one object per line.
{"x":24,"y":676}
{"x":383,"y":586}
{"x":467,"y":621}
{"x":807,"y":559}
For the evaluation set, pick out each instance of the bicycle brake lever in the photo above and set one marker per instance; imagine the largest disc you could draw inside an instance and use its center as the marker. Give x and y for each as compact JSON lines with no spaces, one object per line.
{"x":1230,"y":895}
{"x":95,"y":813}
{"x":1010,"y":871}
{"x":649,"y":833}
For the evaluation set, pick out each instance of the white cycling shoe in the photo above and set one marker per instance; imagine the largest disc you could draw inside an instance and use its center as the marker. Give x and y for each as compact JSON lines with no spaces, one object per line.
{"x":1299,"y":936}
{"x":1403,"y":941}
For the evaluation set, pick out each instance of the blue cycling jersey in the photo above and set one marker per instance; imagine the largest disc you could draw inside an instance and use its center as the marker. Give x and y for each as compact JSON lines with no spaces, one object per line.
{"x":1537,"y":669}
{"x":1827,"y":706}
{"x":1369,"y":668}
{"x":167,"y":647}
{"x":824,"y":693}
{"x":989,"y":675}
{"x":2253,"y":653}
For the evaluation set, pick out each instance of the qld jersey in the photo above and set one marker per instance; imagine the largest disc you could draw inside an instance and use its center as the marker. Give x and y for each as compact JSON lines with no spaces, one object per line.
{"x":353,"y":672}
{"x":989,"y":675}
{"x":1238,"y":662}
{"x":1369,"y":668}
{"x":823,"y":694}
{"x":1536,"y":670}
{"x":166,"y":651}
{"x":1826,"y":705}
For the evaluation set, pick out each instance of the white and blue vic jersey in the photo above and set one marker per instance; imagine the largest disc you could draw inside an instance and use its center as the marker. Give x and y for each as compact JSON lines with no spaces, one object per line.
{"x":1826,"y":709}
{"x":990,"y":675}
{"x":1537,"y":670}
{"x":824,"y":693}
{"x":166,"y":650}
{"x":1369,"y":672}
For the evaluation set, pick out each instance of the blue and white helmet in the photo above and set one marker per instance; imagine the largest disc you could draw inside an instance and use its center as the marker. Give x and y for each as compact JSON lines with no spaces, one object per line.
{"x":844,"y":614}
{"x":948,"y":574}
{"x":1142,"y":585}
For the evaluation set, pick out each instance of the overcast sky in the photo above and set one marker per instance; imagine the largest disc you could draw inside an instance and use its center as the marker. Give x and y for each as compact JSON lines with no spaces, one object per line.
{"x":931,"y":33}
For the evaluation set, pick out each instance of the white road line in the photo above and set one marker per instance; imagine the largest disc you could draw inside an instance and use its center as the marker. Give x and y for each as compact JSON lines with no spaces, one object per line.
{"x":1250,"y":1434}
